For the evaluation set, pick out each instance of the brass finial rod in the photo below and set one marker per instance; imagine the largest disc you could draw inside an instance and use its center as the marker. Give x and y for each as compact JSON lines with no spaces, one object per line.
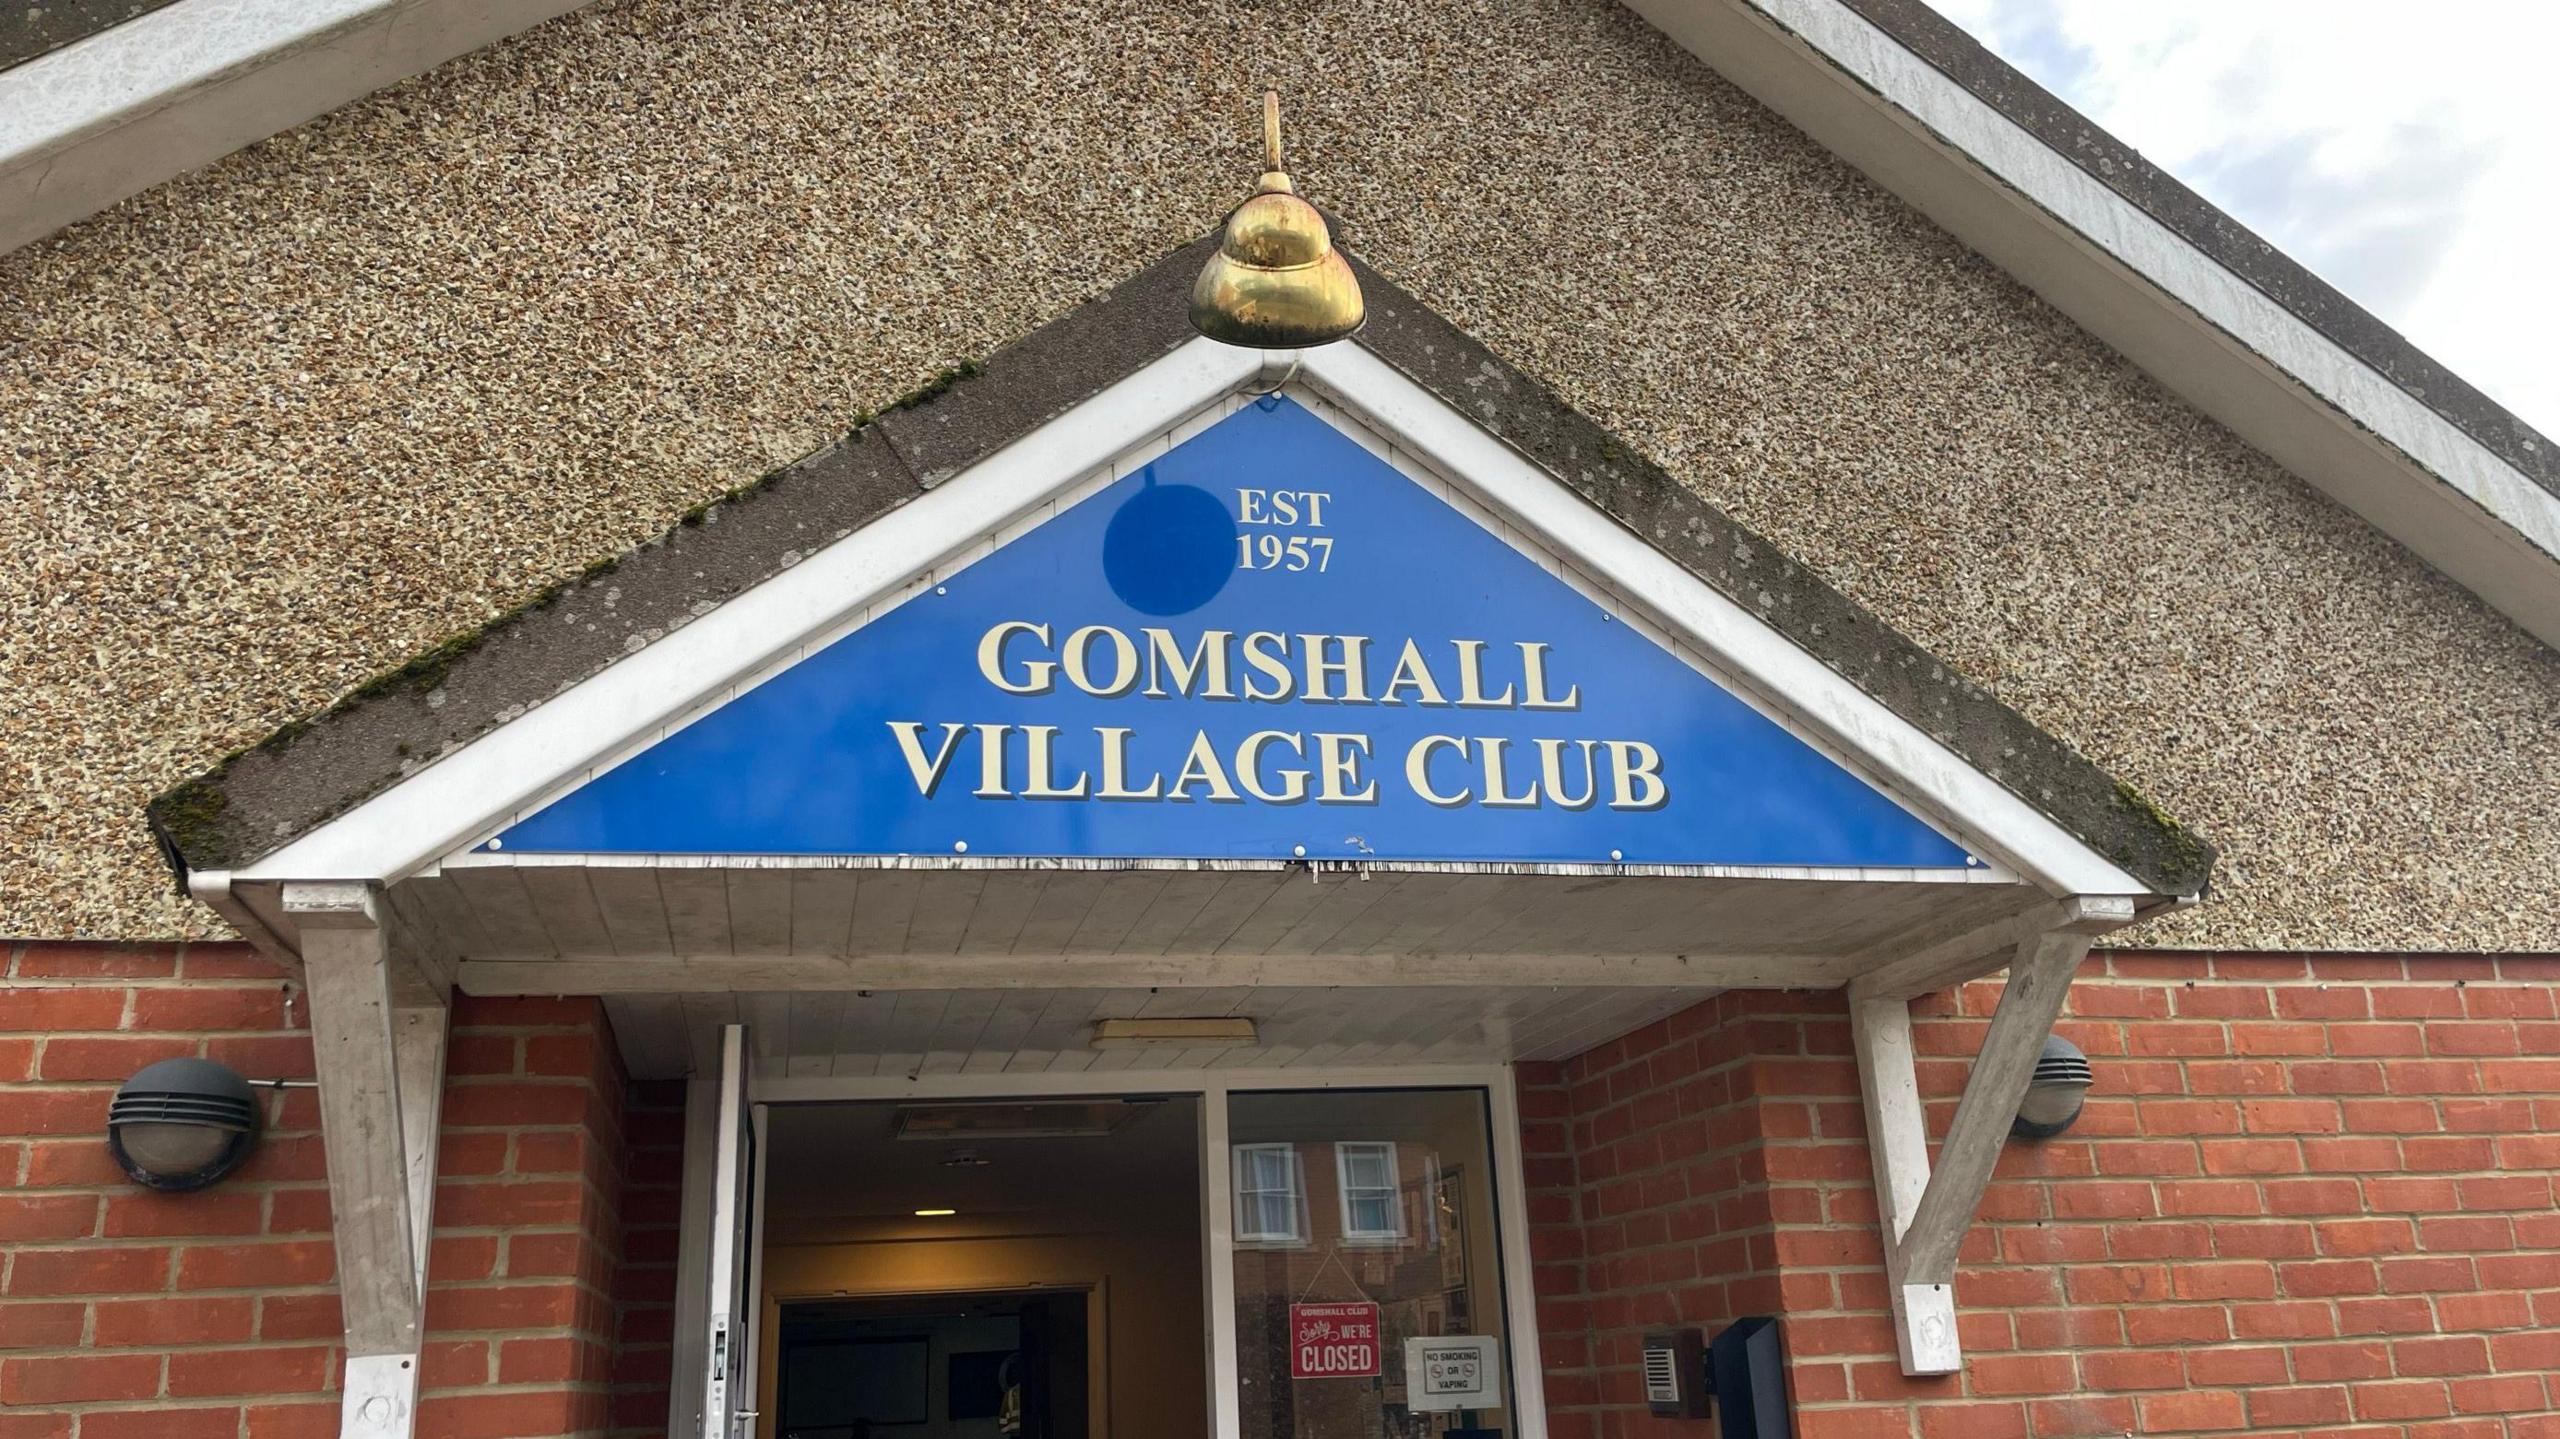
{"x":1271,"y":130}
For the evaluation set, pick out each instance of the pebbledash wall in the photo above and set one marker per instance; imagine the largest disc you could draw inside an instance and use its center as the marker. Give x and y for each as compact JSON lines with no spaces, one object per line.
{"x":2310,"y":1196}
{"x":215,"y":1315}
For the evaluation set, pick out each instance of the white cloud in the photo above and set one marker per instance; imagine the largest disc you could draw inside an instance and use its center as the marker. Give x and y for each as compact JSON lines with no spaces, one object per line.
{"x":2409,"y":155}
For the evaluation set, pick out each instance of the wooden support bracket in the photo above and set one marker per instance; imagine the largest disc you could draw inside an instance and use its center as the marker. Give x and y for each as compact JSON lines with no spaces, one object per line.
{"x":378,"y":1040}
{"x":1925,"y":1209}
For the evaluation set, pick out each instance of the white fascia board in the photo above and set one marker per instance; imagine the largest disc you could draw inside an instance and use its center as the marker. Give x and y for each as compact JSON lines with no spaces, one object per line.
{"x":1822,"y":705}
{"x":157,"y":96}
{"x":2194,"y":325}
{"x":453,"y":801}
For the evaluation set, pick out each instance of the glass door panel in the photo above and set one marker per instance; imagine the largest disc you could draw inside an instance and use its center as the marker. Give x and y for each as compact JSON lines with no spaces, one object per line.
{"x":1366,"y":1247}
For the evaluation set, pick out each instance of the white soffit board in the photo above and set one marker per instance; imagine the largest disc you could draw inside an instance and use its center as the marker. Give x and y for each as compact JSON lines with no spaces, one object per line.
{"x":823,"y":1036}
{"x":436,"y":815}
{"x":157,"y":96}
{"x":2206,"y":333}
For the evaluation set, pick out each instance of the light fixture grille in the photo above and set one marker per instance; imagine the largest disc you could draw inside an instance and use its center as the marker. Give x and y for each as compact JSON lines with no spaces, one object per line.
{"x":157,"y":1107}
{"x":1661,"y":1377}
{"x":2064,"y":1069}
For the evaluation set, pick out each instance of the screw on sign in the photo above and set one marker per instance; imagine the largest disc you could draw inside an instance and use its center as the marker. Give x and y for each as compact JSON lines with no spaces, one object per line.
{"x":1333,"y":1341}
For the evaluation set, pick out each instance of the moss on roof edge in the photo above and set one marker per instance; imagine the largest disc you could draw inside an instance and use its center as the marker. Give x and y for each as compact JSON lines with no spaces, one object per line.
{"x":185,"y":819}
{"x":194,"y":822}
{"x":2050,"y":775}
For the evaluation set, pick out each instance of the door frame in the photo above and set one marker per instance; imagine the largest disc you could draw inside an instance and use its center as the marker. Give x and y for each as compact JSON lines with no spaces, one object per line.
{"x":1212,"y":1087}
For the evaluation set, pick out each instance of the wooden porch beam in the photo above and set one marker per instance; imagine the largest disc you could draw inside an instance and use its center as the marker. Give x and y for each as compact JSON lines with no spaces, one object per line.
{"x":1924,"y":1315}
{"x":378,"y":1039}
{"x":418,"y":1034}
{"x":1907,"y":971}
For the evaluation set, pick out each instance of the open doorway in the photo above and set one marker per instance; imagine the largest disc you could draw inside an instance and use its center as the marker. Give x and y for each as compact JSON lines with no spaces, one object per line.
{"x":983,"y":1269}
{"x":949,"y":1366}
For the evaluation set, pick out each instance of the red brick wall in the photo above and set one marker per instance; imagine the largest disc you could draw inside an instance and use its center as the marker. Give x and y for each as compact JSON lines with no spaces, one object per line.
{"x":2309,"y":1196}
{"x":520,"y":1314}
{"x":644,"y":1293}
{"x":214,"y":1315}
{"x":1649,"y":1202}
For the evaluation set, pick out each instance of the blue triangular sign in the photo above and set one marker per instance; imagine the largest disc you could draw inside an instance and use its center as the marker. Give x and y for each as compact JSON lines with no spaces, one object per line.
{"x":1269,"y":644}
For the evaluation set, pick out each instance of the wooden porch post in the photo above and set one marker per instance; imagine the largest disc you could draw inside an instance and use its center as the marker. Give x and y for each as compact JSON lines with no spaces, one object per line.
{"x":378,"y":1041}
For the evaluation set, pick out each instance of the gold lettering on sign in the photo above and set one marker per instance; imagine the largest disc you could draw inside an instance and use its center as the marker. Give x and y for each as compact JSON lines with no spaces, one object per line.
{"x":1201,"y":767}
{"x":1279,"y":766}
{"x":1035,"y":680}
{"x":1412,"y":673}
{"x":1267,"y":655}
{"x":1204,"y":664}
{"x":1115,"y":767}
{"x":1417,"y":769}
{"x":1293,"y":782}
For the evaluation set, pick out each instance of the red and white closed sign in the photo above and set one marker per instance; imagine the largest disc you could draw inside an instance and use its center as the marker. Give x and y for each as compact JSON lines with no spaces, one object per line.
{"x":1333,"y":1341}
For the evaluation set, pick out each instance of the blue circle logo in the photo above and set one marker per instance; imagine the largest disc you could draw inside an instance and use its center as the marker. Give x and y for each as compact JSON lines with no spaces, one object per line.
{"x":1170,"y":549}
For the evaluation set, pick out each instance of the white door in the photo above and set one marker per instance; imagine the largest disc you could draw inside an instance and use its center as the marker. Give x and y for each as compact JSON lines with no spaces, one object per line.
{"x":729,"y":1385}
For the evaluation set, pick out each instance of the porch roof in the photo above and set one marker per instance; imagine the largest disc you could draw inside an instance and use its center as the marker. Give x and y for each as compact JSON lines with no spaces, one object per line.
{"x":396,"y":842}
{"x":260,"y":801}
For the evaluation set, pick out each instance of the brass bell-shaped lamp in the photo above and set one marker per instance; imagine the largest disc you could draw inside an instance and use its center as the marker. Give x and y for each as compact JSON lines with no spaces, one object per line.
{"x":1276,"y":282}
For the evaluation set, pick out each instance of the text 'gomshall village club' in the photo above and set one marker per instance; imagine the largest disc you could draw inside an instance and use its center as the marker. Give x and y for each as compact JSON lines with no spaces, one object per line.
{"x":793,"y":719}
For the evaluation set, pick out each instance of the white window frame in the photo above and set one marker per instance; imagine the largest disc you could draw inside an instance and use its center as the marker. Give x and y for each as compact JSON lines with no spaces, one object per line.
{"x":1296,"y":1236}
{"x":1352,"y":1232}
{"x":1213,"y":1088}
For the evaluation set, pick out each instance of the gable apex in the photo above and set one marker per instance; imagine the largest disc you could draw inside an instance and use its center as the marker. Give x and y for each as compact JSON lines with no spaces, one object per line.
{"x":496,"y":704}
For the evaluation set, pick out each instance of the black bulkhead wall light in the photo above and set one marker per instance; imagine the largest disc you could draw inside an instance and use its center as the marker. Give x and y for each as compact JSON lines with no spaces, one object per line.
{"x":2055,"y":1092}
{"x":182,"y":1124}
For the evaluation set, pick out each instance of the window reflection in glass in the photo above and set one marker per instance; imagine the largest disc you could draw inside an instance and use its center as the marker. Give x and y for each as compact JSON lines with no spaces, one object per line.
{"x":1271,"y":1195}
{"x":1366,"y":1174}
{"x":1364,"y":1218}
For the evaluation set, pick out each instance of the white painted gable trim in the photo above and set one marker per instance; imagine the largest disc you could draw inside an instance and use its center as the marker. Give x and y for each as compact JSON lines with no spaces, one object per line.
{"x":1766,"y":669}
{"x":449,"y":807}
{"x":456,"y":801}
{"x":2206,"y":333}
{"x":1468,"y":499}
{"x":436,"y":815}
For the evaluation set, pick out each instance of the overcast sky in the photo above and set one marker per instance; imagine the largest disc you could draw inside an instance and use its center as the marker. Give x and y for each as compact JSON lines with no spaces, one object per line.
{"x":2408,"y":154}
